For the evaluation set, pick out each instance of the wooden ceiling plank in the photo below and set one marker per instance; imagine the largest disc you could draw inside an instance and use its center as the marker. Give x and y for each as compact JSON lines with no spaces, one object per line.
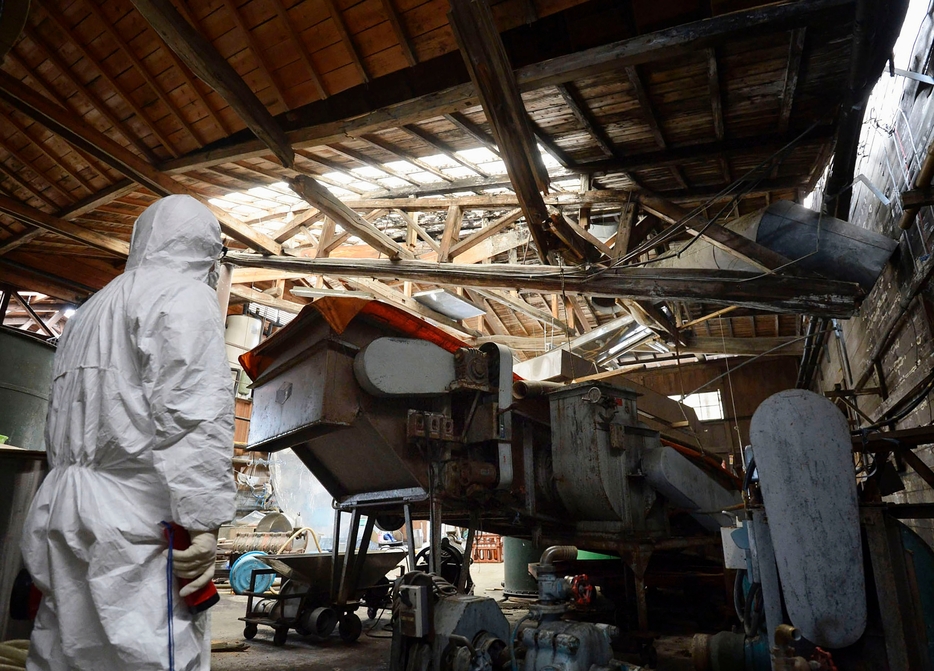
{"x":399,"y":31}
{"x":58,"y":19}
{"x":99,"y":105}
{"x":771,"y":292}
{"x":302,"y":49}
{"x":495,"y":83}
{"x":398,"y":106}
{"x":651,"y":118}
{"x":143,"y":70}
{"x":440,"y":146}
{"x":77,"y":132}
{"x":201,"y":56}
{"x":338,"y":20}
{"x":404,"y":156}
{"x":582,"y":113}
{"x":20,"y":179}
{"x":488,"y":231}
{"x":19,"y":156}
{"x":795,"y":51}
{"x":55,"y":157}
{"x":473,"y":130}
{"x":256,"y":50}
{"x":370,"y":163}
{"x":782,"y":346}
{"x":319,"y":197}
{"x":522,"y":306}
{"x":452,"y":228}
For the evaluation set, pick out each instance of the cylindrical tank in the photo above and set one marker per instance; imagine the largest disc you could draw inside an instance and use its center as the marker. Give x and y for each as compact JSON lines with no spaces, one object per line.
{"x":517,"y":555}
{"x":25,"y":380}
{"x":242,"y":334}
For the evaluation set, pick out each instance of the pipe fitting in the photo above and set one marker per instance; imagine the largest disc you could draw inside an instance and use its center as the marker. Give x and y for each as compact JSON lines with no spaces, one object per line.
{"x":558,"y":553}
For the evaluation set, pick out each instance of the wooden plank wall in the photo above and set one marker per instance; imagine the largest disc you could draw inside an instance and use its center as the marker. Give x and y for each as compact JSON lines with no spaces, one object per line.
{"x":751,"y":385}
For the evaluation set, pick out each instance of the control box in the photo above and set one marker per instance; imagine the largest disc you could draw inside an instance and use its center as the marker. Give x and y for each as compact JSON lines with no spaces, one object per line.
{"x":414,"y":615}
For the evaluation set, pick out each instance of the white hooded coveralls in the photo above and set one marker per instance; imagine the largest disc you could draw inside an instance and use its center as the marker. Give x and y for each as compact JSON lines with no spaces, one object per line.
{"x":140,"y":430}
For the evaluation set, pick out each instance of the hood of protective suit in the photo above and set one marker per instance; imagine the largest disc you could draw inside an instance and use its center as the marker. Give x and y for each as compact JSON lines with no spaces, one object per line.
{"x":176,"y":233}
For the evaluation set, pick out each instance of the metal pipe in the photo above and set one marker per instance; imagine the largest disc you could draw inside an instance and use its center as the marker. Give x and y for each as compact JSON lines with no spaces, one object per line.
{"x":531,"y":388}
{"x":558,"y":553}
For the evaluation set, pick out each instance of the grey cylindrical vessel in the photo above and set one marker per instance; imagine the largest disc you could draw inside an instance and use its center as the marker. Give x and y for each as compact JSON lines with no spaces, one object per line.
{"x":25,"y":380}
{"x":517,"y":555}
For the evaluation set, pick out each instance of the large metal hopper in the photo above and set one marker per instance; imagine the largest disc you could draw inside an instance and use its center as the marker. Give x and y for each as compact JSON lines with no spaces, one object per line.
{"x":314,"y":569}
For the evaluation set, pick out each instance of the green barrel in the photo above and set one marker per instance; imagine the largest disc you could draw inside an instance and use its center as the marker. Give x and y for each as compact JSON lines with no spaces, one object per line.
{"x":517,"y":555}
{"x":25,"y":381}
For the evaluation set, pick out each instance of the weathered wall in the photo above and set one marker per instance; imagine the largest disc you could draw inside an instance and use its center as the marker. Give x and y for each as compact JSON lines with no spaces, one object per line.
{"x":889,"y":344}
{"x":741,"y":391}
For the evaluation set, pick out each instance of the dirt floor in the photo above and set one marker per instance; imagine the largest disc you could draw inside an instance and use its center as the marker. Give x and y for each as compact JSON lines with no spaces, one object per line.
{"x":371,"y":651}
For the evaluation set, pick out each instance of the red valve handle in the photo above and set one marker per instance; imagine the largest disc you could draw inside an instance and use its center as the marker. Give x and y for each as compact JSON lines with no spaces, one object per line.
{"x":582,"y":590}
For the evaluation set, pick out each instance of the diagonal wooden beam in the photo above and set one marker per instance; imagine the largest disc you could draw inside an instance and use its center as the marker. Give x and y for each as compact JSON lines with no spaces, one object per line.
{"x":520,"y":305}
{"x":201,"y":56}
{"x":420,"y":232}
{"x":316,"y":195}
{"x":651,"y":118}
{"x":370,"y":163}
{"x":452,"y":228}
{"x":795,"y":50}
{"x":49,"y":222}
{"x":549,"y":145}
{"x":294,"y":227}
{"x":442,"y":147}
{"x":338,"y":20}
{"x":578,"y":106}
{"x":495,"y":83}
{"x":404,"y":156}
{"x":487,"y":231}
{"x":473,"y":130}
{"x":399,"y":30}
{"x":80,"y":134}
{"x":23,"y":238}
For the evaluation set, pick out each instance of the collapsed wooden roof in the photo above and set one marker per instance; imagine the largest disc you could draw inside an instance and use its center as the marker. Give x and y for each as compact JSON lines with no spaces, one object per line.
{"x":411,"y":129}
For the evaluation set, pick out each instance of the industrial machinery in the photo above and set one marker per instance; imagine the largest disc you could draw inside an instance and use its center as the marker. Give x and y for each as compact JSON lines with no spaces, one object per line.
{"x":435,"y":627}
{"x":824,"y":580}
{"x":398,"y":420}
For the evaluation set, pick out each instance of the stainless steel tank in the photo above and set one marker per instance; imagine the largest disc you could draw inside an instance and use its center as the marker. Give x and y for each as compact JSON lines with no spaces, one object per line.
{"x":25,"y":381}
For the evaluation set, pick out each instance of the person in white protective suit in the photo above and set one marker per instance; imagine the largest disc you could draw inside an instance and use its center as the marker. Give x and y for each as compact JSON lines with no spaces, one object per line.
{"x":140,"y":430}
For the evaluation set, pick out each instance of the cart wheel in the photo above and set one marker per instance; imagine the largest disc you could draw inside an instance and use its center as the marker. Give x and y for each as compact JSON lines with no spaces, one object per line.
{"x":249,"y":631}
{"x":372,"y":612}
{"x":350,"y":628}
{"x":281,"y":634}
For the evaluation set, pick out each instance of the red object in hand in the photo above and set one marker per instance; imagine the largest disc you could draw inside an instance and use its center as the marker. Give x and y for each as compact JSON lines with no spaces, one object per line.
{"x":205,"y":597}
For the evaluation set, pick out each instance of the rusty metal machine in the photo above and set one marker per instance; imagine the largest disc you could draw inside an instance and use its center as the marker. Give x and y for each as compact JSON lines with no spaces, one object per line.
{"x":399,"y":420}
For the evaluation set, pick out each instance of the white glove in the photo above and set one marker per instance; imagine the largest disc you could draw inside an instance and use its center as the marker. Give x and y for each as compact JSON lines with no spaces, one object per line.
{"x":197,"y":562}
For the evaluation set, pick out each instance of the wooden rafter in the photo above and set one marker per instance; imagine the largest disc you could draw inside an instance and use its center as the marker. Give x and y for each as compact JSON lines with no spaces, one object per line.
{"x":716,"y":99}
{"x":399,"y":31}
{"x":578,"y":106}
{"x":256,"y":50}
{"x":20,"y":179}
{"x":336,"y":167}
{"x":201,"y":56}
{"x":440,"y":146}
{"x":495,"y":83}
{"x":651,"y":118}
{"x":368,"y":162}
{"x":520,"y":305}
{"x":57,"y":18}
{"x":350,"y":221}
{"x":300,"y":46}
{"x":29,"y":163}
{"x":420,"y":232}
{"x":294,"y":227}
{"x":550,"y":146}
{"x":795,"y":50}
{"x":452,"y":227}
{"x":338,"y":20}
{"x":473,"y":130}
{"x":78,"y":133}
{"x":486,"y":232}
{"x":379,"y":142}
{"x":143,"y":70}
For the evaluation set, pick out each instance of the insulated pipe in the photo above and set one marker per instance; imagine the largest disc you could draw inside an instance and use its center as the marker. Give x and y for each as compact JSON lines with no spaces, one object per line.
{"x":531,"y":388}
{"x":558,"y":553}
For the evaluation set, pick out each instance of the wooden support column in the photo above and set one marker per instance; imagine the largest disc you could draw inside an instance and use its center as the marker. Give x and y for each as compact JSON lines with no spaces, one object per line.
{"x":201,"y":56}
{"x":495,"y":83}
{"x":452,"y":227}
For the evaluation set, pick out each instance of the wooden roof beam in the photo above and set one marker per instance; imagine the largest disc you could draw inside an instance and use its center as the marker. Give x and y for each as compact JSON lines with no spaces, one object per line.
{"x":20,"y":179}
{"x":256,"y":50}
{"x":551,"y":147}
{"x":201,"y":56}
{"x":519,"y":305}
{"x":370,"y":163}
{"x":316,"y":195}
{"x":473,"y":130}
{"x":143,"y":70}
{"x":578,"y":106}
{"x":68,"y":31}
{"x":336,"y":167}
{"x":716,"y":99}
{"x":421,"y":232}
{"x":440,"y":146}
{"x":495,"y":83}
{"x":651,"y":118}
{"x":379,"y":142}
{"x":452,"y":228}
{"x":338,"y":20}
{"x":294,"y":227}
{"x":487,"y":231}
{"x":78,"y":133}
{"x":399,"y":30}
{"x":39,"y":173}
{"x":772,"y":292}
{"x":795,"y":51}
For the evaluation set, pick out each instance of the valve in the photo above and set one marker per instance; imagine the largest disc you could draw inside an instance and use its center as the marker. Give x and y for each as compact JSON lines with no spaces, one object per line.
{"x":581,"y":590}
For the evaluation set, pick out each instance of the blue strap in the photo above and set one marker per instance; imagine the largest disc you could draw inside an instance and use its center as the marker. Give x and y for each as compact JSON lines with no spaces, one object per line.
{"x":169,"y":585}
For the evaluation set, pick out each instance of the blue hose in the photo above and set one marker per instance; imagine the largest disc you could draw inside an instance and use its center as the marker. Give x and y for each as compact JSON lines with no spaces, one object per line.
{"x":169,"y":595}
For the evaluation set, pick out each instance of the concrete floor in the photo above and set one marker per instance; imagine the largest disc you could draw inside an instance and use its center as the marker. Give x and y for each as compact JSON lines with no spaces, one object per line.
{"x":371,"y":651}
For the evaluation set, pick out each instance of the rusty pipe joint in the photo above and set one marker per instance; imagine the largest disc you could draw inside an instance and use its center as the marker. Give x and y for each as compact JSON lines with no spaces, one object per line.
{"x":557,"y":553}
